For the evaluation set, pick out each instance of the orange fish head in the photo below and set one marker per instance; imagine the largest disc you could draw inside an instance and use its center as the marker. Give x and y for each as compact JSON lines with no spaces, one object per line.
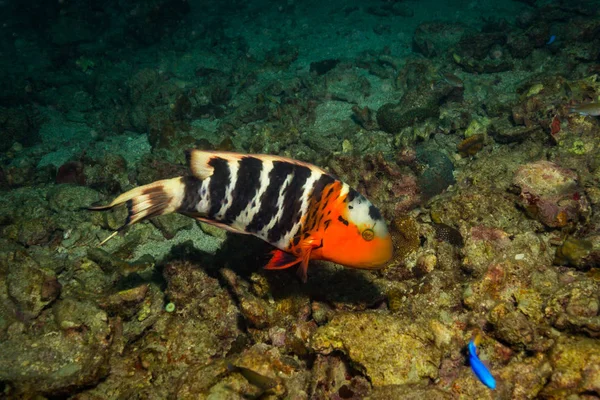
{"x":359,"y":237}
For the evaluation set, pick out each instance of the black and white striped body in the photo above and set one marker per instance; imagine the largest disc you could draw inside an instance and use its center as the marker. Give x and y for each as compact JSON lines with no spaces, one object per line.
{"x":296,"y":207}
{"x":267,"y":197}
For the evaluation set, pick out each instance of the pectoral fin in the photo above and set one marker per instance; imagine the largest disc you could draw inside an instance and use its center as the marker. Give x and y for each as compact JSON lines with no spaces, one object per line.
{"x":303,"y":269}
{"x":282,"y":260}
{"x":220,"y":225}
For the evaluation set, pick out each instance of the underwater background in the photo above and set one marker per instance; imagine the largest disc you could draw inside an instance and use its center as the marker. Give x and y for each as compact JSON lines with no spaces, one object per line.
{"x":472,"y":125}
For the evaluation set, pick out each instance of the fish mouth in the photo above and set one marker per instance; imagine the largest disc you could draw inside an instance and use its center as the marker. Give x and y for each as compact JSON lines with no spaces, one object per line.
{"x":377,"y":256}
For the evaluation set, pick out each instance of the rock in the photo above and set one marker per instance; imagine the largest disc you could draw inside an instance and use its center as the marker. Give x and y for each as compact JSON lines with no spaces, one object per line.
{"x":89,"y":279}
{"x":409,"y":392}
{"x":434,"y":38}
{"x":29,"y":286}
{"x":524,"y":379}
{"x":282,"y":56}
{"x":31,"y":231}
{"x":504,"y":278}
{"x":581,"y":253}
{"x":416,"y":105}
{"x":258,"y":372}
{"x":486,"y":66}
{"x":474,"y":208}
{"x":168,"y":345}
{"x":575,"y":369}
{"x":504,"y":132}
{"x":321,"y":312}
{"x":436,"y":171}
{"x":113,"y":264}
{"x":263,"y":367}
{"x":576,"y":308}
{"x":197,"y":381}
{"x":519,"y":45}
{"x":385,"y":348}
{"x":170,"y":224}
{"x":71,"y":198}
{"x":125,"y":303}
{"x":57,"y":362}
{"x":485,"y":246}
{"x":478,"y":45}
{"x":583,"y":29}
{"x":323,"y":66}
{"x":19,"y":124}
{"x":550,"y":194}
{"x":73,"y":314}
{"x":392,"y":187}
{"x":257,"y":312}
{"x":514,"y":328}
{"x":108,"y":173}
{"x":332,"y":377}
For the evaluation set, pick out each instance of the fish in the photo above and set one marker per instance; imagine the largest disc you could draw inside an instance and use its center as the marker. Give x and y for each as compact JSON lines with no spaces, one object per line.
{"x":479,"y":369}
{"x":591,"y":109}
{"x":451,"y":79}
{"x":262,"y":382}
{"x":300,"y":209}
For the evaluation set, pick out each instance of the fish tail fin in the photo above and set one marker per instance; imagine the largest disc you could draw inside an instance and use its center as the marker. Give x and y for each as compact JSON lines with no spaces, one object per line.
{"x":143,"y":202}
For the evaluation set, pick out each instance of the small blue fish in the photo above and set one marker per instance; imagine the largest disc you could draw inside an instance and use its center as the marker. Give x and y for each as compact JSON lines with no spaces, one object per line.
{"x":552,"y":39}
{"x":479,"y":369}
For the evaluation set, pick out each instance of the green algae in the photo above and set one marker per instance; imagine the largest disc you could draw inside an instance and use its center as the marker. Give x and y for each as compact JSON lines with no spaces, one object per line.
{"x":572,"y":251}
{"x":578,"y":148}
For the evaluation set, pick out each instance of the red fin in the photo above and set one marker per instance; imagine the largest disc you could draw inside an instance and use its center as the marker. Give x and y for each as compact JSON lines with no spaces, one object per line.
{"x":303,"y":268}
{"x":282,"y":260}
{"x":307,"y":246}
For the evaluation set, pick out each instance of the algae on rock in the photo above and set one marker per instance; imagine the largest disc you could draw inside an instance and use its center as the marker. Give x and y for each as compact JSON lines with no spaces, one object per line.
{"x":385,"y":348}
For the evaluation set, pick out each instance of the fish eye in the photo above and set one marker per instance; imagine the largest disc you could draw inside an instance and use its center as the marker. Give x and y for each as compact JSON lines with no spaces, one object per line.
{"x":368,"y":234}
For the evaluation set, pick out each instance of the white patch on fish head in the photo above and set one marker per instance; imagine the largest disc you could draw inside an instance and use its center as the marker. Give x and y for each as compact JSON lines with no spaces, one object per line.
{"x":362,"y":213}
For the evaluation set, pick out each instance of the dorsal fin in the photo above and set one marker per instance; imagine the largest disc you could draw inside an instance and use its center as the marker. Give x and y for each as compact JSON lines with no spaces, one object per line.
{"x":199,"y":161}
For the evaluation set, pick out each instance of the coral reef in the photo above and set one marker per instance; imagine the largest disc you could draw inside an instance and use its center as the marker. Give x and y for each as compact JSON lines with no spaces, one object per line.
{"x":475,"y":134}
